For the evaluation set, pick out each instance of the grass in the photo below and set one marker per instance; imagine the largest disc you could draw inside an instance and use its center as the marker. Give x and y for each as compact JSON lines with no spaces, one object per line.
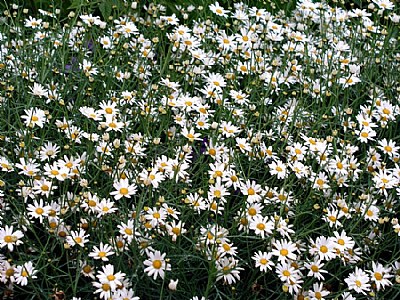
{"x":142,"y":161}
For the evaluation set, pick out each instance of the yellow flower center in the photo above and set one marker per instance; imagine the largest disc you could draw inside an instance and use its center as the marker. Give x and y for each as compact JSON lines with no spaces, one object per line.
{"x":251,"y":192}
{"x":111,"y":277}
{"x":378,"y":276}
{"x":323,"y":249}
{"x":260,"y":226}
{"x":156,"y":215}
{"x":218,"y":173}
{"x":176,"y":230}
{"x":35,"y":118}
{"x":124,"y":191}
{"x":314,"y":268}
{"x":44,"y":188}
{"x":128,"y":231}
{"x":109,"y":110}
{"x":8,"y":239}
{"x":226,"y":247}
{"x":364,"y":134}
{"x":102,"y":254}
{"x":263,"y":261}
{"x":217,"y":194}
{"x":10,"y":272}
{"x":286,"y":273}
{"x":157,"y":264}
{"x":388,"y":149}
{"x":87,"y":269}
{"x":284,"y":252}
{"x":252,"y":211}
{"x":39,"y":210}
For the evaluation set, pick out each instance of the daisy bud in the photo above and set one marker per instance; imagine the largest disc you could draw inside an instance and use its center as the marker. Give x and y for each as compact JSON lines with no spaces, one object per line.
{"x":172,"y":284}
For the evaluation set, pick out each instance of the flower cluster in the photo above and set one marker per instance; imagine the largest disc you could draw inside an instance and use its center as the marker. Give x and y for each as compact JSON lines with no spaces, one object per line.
{"x":226,"y":154}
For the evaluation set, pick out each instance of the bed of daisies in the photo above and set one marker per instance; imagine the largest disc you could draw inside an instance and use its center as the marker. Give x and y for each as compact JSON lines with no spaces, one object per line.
{"x":197,"y":152}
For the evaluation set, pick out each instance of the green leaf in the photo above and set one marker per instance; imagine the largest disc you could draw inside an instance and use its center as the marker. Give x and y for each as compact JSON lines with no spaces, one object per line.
{"x":105,"y":8}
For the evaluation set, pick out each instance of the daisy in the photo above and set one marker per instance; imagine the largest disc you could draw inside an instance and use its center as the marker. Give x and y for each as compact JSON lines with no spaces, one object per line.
{"x":285,"y":250}
{"x":127,"y":230}
{"x":252,"y":190}
{"x":263,"y":260}
{"x":320,"y":181}
{"x":380,"y":275}
{"x":175,"y":229}
{"x":38,"y":210}
{"x":123,"y":189}
{"x":112,"y":124}
{"x":77,"y":238}
{"x":226,"y":248}
{"x":56,"y":171}
{"x":216,"y":80}
{"x":217,"y":9}
{"x":22,"y":273}
{"x":191,"y":135}
{"x":371,"y":213}
{"x":365,"y":135}
{"x":278,"y":168}
{"x":101,"y":252}
{"x":43,"y":187}
{"x":126,"y":294}
{"x":108,"y":276}
{"x":108,"y":108}
{"x":261,"y":225}
{"x":90,"y":202}
{"x":48,"y":151}
{"x":384,"y":4}
{"x":156,"y":216}
{"x":218,"y":190}
{"x":88,"y":68}
{"x":34,"y":117}
{"x":33,"y":22}
{"x":243,"y":145}
{"x":318,"y":292}
{"x":287,"y":272}
{"x":197,"y":202}
{"x":103,"y":289}
{"x":156,"y":265}
{"x":152,"y":177}
{"x":228,"y":270}
{"x":170,"y":20}
{"x":388,"y":147}
{"x":10,"y":238}
{"x":253,"y":210}
{"x":86,"y":269}
{"x":342,"y":241}
{"x":358,"y":281}
{"x":323,"y":247}
{"x":315,"y":269}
